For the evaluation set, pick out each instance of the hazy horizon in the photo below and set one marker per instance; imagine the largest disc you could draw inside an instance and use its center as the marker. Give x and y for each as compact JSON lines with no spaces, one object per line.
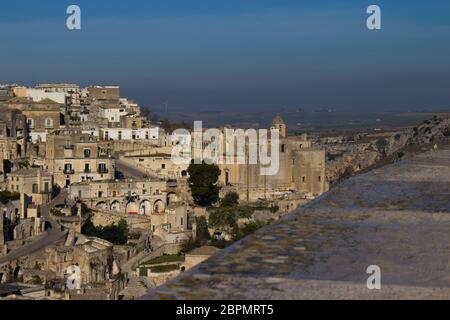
{"x":237,"y":55}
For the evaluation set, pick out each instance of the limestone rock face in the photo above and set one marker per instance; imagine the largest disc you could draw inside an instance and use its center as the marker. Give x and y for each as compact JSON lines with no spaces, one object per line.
{"x":361,"y":156}
{"x":432,"y":130}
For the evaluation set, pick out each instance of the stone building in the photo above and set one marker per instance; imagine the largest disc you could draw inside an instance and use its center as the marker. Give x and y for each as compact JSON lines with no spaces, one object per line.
{"x":34,"y":185}
{"x":142,"y":196}
{"x":92,"y":255}
{"x":43,"y":117}
{"x":104,"y":93}
{"x":72,"y":157}
{"x":301,"y":169}
{"x":171,"y":224}
{"x":13,"y":138}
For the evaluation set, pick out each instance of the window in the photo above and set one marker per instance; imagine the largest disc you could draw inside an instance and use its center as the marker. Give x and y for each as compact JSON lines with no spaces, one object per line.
{"x":182,"y":220}
{"x":35,"y":188}
{"x":120,"y":135}
{"x":283,"y":148}
{"x":87,"y":168}
{"x":320,"y":178}
{"x":30,"y":123}
{"x":163,"y":166}
{"x":46,"y":187}
{"x":303,"y":179}
{"x":102,"y":168}
{"x":67,"y":168}
{"x":87,"y":153}
{"x":48,"y":123}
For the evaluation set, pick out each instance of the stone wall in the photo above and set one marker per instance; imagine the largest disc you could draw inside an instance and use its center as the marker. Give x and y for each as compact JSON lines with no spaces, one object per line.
{"x":106,"y":218}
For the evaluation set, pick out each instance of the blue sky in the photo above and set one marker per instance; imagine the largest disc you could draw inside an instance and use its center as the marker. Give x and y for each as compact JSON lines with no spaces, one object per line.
{"x":229,"y":54}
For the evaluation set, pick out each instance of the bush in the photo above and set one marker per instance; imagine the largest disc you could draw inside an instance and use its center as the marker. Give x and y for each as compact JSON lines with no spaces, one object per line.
{"x":251,"y":228}
{"x":116,"y":234}
{"x":381,"y":145}
{"x":57,"y":213}
{"x":231,"y":199}
{"x":189,"y":245}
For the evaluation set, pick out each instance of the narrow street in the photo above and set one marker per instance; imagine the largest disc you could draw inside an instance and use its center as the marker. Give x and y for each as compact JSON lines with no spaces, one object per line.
{"x":50,"y":236}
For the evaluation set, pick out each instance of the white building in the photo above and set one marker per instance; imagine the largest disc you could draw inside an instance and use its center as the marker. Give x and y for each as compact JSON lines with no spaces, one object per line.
{"x":113,"y":114}
{"x":130,"y":134}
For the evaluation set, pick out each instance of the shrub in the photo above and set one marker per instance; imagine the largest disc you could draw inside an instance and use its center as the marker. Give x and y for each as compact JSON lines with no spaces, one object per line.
{"x":231,"y":199}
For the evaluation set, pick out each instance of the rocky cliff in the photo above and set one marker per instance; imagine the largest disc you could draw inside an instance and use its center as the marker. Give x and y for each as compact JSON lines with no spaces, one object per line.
{"x":361,"y":156}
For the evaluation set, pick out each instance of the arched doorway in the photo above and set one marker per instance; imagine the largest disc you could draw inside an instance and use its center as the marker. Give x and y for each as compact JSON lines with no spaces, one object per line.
{"x":172,"y":198}
{"x":132,"y":208}
{"x":101,"y":205}
{"x":158,"y":206}
{"x":145,"y":208}
{"x":115,"y":206}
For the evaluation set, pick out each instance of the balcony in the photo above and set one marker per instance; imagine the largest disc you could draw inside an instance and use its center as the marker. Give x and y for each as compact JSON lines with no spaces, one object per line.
{"x":87,"y":171}
{"x":103,"y":170}
{"x":69,"y":146}
{"x":69,"y":171}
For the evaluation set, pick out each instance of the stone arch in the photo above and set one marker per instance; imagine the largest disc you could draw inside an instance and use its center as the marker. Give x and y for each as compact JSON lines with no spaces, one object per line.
{"x":115,"y":205}
{"x":145,"y":208}
{"x":101,"y":205}
{"x":17,"y":274}
{"x":132,"y":207}
{"x":172,"y":197}
{"x":158,"y":206}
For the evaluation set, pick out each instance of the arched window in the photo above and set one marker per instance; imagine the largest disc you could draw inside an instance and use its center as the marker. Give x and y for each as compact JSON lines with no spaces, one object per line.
{"x":49,"y":123}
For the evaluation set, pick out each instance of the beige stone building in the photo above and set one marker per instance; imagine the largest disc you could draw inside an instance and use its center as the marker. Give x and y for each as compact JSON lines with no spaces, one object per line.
{"x":13,"y":138}
{"x":43,"y":117}
{"x":173,"y":221}
{"x":143,"y":196}
{"x":301,"y":169}
{"x":72,"y":157}
{"x":34,"y":185}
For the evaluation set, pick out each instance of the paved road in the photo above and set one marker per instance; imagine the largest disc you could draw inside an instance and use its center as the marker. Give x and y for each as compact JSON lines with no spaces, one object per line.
{"x":49,"y":237}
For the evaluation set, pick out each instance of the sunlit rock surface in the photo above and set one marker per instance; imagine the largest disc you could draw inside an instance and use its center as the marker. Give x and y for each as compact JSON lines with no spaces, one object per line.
{"x":396,"y":217}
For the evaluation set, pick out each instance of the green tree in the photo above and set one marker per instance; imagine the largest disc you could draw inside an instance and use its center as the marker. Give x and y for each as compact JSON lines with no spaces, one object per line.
{"x":203,"y":183}
{"x":231,"y":199}
{"x":251,"y":228}
{"x":202,"y":233}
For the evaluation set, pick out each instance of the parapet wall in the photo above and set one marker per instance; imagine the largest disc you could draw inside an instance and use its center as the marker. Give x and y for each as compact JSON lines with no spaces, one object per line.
{"x":396,"y":218}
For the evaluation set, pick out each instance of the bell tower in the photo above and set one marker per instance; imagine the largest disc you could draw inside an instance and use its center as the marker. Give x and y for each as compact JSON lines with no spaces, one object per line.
{"x":279,"y":124}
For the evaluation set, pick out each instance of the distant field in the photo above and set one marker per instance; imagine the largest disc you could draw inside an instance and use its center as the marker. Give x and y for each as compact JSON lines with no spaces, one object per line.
{"x":308,"y":121}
